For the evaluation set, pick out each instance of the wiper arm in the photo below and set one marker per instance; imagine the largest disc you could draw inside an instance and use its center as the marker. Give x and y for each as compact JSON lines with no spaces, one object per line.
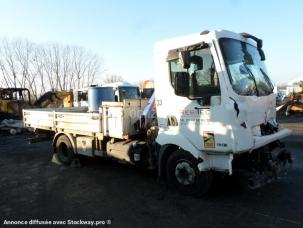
{"x":267,"y":79}
{"x":251,"y":77}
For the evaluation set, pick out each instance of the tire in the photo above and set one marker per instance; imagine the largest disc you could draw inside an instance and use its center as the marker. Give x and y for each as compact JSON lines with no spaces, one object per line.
{"x":183,"y":174}
{"x":64,"y":150}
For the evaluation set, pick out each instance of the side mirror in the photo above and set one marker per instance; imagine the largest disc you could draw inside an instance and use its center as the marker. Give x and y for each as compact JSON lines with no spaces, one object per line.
{"x":262,"y":55}
{"x":184,"y":57}
{"x":181,"y":84}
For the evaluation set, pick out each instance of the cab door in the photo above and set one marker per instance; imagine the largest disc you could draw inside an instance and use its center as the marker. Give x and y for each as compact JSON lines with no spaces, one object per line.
{"x":201,"y":115}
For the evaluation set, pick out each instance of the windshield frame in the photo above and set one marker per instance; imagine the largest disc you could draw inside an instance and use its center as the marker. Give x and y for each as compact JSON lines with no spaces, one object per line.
{"x":257,"y":73}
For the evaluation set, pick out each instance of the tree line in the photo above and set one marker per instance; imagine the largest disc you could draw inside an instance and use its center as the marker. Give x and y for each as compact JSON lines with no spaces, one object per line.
{"x":42,"y":68}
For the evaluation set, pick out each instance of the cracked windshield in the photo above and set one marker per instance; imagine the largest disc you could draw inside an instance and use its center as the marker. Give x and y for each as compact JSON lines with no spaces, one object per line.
{"x":247,"y":72}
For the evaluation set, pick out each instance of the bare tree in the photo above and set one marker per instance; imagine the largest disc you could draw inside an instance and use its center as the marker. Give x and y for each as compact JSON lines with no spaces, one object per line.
{"x":8,"y":64}
{"x":112,"y":78}
{"x":24,"y":59}
{"x":41,"y":68}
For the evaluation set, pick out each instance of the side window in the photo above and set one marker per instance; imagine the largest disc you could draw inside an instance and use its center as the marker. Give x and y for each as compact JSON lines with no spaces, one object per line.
{"x":203,"y":81}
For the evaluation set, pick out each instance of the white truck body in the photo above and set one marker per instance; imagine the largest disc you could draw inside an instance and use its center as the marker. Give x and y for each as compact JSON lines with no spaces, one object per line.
{"x":215,"y":111}
{"x":219,"y":118}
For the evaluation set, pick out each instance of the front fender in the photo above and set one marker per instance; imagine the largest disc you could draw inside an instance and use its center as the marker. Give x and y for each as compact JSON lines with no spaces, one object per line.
{"x":180,"y":141}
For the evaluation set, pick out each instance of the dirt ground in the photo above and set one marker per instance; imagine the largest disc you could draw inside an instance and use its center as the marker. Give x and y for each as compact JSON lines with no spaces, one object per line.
{"x":32,"y":187}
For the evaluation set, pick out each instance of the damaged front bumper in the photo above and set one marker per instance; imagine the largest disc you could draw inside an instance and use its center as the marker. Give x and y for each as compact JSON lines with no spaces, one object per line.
{"x":264,"y":164}
{"x":260,"y":141}
{"x":277,"y":167}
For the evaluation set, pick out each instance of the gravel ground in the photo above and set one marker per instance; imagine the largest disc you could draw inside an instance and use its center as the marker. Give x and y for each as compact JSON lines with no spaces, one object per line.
{"x":31,"y":187}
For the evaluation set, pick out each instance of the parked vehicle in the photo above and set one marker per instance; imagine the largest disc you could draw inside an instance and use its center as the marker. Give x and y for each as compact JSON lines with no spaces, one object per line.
{"x":124,"y":90}
{"x":280,"y":98}
{"x":121,"y":90}
{"x":148,"y":89}
{"x":81,"y":97}
{"x":215,"y":112}
{"x":12,"y":101}
{"x":295,"y":103}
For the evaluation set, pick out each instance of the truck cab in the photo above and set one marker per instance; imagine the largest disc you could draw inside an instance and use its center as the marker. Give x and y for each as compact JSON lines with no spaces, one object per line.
{"x":214,"y":99}
{"x":80,"y":97}
{"x":124,"y":90}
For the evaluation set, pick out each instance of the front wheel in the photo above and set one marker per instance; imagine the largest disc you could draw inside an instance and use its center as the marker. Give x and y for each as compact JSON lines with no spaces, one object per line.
{"x":183,"y":174}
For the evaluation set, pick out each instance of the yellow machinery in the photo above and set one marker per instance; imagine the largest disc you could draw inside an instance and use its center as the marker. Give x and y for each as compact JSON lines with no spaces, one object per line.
{"x":295,"y":103}
{"x":68,"y":98}
{"x":55,"y":99}
{"x":12,"y":101}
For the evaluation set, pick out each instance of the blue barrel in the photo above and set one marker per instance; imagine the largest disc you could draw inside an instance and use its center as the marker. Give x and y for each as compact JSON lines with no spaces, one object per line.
{"x":98,"y":94}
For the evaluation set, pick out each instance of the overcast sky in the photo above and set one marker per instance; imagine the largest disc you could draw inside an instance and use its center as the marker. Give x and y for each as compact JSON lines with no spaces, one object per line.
{"x":123,"y":32}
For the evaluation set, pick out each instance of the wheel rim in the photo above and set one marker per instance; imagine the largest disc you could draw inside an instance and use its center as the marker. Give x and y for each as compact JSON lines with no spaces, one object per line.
{"x":185,"y":173}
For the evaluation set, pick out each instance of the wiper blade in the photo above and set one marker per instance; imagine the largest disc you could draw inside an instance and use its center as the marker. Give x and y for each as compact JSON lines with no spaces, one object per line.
{"x":252,"y":77}
{"x":267,"y":79}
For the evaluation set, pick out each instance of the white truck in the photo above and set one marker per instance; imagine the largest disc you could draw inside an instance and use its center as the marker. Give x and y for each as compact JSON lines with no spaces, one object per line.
{"x":80,"y":97}
{"x":121,"y":91}
{"x":213,"y":111}
{"x":124,"y":90}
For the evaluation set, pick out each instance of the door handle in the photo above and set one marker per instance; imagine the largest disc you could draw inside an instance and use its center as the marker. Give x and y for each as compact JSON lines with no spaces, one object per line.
{"x":199,"y":108}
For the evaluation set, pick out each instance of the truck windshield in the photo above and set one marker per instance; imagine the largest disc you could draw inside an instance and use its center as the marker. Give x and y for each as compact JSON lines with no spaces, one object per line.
{"x":128,"y":93}
{"x":247,"y":73}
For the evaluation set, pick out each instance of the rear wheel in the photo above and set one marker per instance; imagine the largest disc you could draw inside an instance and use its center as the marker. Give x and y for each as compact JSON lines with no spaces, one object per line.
{"x":64,"y":150}
{"x":183,"y":174}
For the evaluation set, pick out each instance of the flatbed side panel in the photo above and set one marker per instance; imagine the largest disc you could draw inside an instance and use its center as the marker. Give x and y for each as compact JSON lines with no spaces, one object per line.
{"x":88,"y":123}
{"x":38,"y":119}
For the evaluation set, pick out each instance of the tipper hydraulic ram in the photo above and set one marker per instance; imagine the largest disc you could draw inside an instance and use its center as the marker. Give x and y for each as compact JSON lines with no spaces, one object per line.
{"x":213,"y":110}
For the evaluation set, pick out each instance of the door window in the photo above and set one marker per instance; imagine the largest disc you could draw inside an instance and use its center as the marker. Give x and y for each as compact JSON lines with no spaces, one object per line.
{"x":203,"y":81}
